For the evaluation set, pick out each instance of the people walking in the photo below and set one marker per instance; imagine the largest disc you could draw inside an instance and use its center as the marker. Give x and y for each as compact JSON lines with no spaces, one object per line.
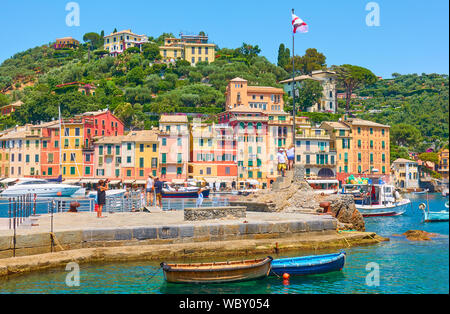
{"x":290,"y":153}
{"x":281,"y":157}
{"x":158,"y":186}
{"x":200,"y":198}
{"x":150,"y":190}
{"x":102,"y":187}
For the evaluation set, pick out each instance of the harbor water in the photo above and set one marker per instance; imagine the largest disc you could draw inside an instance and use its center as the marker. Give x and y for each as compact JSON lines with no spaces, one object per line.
{"x":397,"y":266}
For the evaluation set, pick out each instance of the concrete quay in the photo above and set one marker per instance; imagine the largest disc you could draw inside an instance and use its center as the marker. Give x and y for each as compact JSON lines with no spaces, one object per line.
{"x":158,"y":236}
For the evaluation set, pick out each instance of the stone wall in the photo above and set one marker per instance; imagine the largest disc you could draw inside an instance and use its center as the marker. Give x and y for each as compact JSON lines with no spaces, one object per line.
{"x":256,"y":206}
{"x":206,"y":213}
{"x":182,"y":233}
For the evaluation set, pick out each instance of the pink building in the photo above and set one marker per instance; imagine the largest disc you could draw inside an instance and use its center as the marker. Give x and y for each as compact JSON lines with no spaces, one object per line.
{"x":173,"y":140}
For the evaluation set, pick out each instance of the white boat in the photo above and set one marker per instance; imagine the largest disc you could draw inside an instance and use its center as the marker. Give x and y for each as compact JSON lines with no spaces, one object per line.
{"x":40,"y":188}
{"x":374,"y":200}
{"x":325,"y":187}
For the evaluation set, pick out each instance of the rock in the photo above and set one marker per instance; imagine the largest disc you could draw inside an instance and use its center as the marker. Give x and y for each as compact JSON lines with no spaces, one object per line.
{"x":419,"y":235}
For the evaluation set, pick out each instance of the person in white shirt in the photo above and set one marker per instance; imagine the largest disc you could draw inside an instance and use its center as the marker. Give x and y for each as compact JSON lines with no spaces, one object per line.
{"x":290,"y":153}
{"x":281,"y":157}
{"x":149,"y":190}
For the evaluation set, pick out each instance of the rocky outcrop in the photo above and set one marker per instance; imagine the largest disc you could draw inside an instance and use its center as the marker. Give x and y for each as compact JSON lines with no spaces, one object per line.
{"x":293,"y":194}
{"x":418,"y":235}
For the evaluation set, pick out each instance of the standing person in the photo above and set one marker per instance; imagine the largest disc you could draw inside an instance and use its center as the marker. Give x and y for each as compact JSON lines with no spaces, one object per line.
{"x":102,"y":187}
{"x":158,"y":191}
{"x":281,"y":157}
{"x":291,"y":156}
{"x":150,"y":190}
{"x":200,"y":198}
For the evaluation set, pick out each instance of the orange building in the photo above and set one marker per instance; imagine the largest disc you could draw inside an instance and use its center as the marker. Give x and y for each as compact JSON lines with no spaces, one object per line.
{"x":370,"y":147}
{"x":66,"y":42}
{"x":443,"y":166}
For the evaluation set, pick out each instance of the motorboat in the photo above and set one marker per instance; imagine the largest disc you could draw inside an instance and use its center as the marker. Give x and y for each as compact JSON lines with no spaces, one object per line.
{"x":40,"y":188}
{"x":176,"y":191}
{"x":325,"y":186}
{"x":377,"y":200}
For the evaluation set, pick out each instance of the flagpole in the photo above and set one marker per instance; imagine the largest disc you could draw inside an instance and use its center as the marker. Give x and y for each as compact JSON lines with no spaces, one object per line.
{"x":293,"y":91}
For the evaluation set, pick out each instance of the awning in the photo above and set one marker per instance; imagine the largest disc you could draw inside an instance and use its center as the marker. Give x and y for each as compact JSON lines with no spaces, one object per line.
{"x":253,"y":182}
{"x":8,"y":180}
{"x":91,"y":181}
{"x":114,"y":182}
{"x":178,"y":181}
{"x":141,"y":182}
{"x":323,"y":181}
{"x":129,"y":181}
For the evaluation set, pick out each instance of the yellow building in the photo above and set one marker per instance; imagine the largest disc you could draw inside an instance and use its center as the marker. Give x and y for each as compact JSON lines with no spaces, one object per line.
{"x":443,"y":166}
{"x":71,"y":148}
{"x":193,"y":49}
{"x":146,"y":153}
{"x":341,"y":137}
{"x":118,"y":42}
{"x":405,"y":174}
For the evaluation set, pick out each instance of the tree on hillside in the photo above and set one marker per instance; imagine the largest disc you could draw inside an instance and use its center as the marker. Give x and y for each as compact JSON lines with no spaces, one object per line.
{"x":249,"y":51}
{"x":283,"y":56}
{"x":433,"y":157}
{"x":406,"y":135}
{"x":151,"y":51}
{"x":310,"y":93}
{"x":4,"y":100}
{"x":92,"y":39}
{"x":311,"y":61}
{"x":352,"y":77}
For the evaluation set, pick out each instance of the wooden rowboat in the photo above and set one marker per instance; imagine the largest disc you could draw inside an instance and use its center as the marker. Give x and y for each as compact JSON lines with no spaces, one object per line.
{"x":309,"y":265}
{"x":219,"y":272}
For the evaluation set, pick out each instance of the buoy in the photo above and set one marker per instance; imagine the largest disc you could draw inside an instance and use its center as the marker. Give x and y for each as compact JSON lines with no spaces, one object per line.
{"x":58,"y":194}
{"x":286,"y":276}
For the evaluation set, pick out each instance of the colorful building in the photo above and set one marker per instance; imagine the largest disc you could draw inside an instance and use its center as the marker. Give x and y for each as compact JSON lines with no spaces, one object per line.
{"x":8,"y":109}
{"x":72,"y":131}
{"x":443,"y":166}
{"x":370,"y":147}
{"x":146,"y":155}
{"x":66,"y":42}
{"x":108,"y":157}
{"x":313,"y":151}
{"x":213,"y":153}
{"x":118,"y":42}
{"x":250,"y":110}
{"x":50,"y":148}
{"x":405,"y":174}
{"x":328,"y":102}
{"x":191,"y":48}
{"x":340,"y":144}
{"x":174,"y":147}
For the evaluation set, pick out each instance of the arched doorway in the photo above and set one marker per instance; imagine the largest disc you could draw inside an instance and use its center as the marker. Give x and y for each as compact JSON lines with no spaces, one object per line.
{"x":326,"y":173}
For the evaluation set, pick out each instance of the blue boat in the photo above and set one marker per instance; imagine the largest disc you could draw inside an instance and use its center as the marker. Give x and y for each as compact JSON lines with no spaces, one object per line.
{"x":433,"y":216}
{"x":309,"y":265}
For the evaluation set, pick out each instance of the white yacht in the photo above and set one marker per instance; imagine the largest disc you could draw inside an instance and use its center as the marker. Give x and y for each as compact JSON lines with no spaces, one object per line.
{"x":39,"y":187}
{"x":374,"y":200}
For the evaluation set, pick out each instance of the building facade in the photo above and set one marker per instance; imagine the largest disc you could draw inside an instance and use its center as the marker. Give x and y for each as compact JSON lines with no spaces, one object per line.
{"x":191,"y":48}
{"x":117,"y":43}
{"x":443,"y":166}
{"x":405,"y":174}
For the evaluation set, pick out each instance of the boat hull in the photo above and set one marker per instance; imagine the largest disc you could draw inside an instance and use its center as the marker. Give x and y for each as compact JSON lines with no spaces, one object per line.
{"x":436,"y":216}
{"x":391,"y":210}
{"x":41,"y":192}
{"x":190,"y":194}
{"x":309,"y":265}
{"x":223,"y":272}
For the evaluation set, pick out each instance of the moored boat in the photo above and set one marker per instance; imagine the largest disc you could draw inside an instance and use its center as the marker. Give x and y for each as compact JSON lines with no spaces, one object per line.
{"x":219,"y":272}
{"x":309,"y":265}
{"x":428,"y":216}
{"x":40,"y":188}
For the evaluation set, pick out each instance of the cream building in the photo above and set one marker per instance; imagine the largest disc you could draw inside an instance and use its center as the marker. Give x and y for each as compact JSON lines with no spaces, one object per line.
{"x":117,"y":43}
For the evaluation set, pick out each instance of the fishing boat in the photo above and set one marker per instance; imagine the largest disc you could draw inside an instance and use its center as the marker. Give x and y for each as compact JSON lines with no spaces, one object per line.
{"x":309,"y":265}
{"x":433,"y":216}
{"x":418,"y":191}
{"x":169,"y":191}
{"x":219,"y":272}
{"x":377,"y":200}
{"x":40,"y":188}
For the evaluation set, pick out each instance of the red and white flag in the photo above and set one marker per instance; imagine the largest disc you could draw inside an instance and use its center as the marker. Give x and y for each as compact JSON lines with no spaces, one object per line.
{"x":299,"y":25}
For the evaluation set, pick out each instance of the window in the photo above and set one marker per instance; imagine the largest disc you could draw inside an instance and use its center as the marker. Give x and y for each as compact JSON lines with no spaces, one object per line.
{"x":154,"y":148}
{"x":193,"y":50}
{"x":66,"y":132}
{"x":141,"y":162}
{"x":77,"y":142}
{"x":117,"y":150}
{"x":154,"y":162}
{"x":87,"y":170}
{"x":227,"y":170}
{"x":371,"y":131}
{"x":199,"y":50}
{"x":50,"y":171}
{"x":77,"y":131}
{"x":179,"y":170}
{"x":128,"y":173}
{"x":383,"y":145}
{"x":44,"y":144}
{"x":180,"y":158}
{"x":141,"y":148}
{"x":128,"y":146}
{"x":164,"y":158}
{"x":88,"y":157}
{"x":141,"y":173}
{"x":371,"y":144}
{"x":193,"y":60}
{"x":36,"y":158}
{"x":100,"y":150}
{"x":27,"y":158}
{"x":164,"y":141}
{"x":359,"y":143}
{"x":72,"y":156}
{"x":72,"y":170}
{"x":179,"y":142}
{"x":208,"y":170}
{"x":128,"y":159}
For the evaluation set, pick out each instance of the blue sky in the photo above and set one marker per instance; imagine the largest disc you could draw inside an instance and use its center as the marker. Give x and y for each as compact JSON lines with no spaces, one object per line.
{"x":413,"y":36}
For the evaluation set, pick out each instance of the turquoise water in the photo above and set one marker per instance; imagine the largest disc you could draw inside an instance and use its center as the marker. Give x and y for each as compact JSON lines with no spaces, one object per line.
{"x":404,"y":267}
